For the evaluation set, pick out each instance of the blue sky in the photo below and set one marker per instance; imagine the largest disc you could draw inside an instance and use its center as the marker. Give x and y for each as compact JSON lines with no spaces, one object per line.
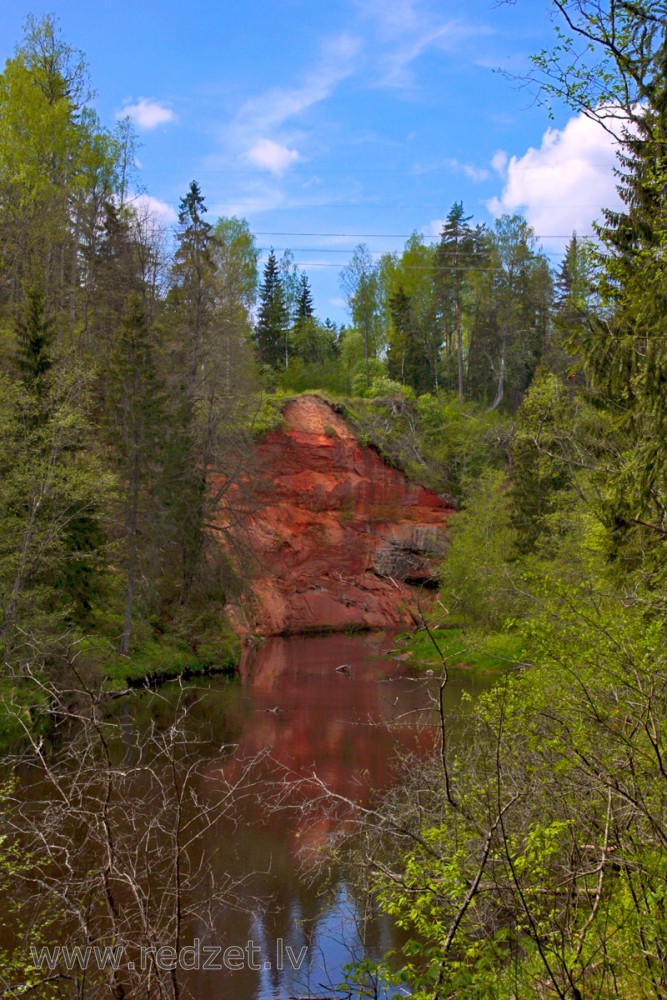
{"x":355,"y":121}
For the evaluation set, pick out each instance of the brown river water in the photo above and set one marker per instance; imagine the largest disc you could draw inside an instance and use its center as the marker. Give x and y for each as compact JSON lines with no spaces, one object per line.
{"x":346,"y":726}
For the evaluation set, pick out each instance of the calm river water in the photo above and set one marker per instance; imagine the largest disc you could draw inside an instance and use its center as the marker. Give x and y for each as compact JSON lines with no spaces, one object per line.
{"x":289,"y":701}
{"x":325,"y":724}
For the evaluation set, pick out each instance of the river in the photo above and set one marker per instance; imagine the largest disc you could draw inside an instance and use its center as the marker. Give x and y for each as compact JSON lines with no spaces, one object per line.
{"x":293,"y":708}
{"x":334,"y":722}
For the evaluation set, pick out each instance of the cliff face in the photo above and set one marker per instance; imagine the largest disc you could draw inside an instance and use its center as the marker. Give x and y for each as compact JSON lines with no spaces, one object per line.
{"x":337,"y":536}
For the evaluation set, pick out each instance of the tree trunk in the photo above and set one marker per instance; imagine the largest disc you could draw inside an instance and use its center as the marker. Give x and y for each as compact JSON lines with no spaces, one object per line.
{"x":501,"y":382}
{"x":459,"y":346}
{"x":131,"y":535}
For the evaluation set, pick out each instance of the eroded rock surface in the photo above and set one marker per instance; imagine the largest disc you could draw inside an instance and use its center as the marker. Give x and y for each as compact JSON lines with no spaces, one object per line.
{"x":337,"y":535}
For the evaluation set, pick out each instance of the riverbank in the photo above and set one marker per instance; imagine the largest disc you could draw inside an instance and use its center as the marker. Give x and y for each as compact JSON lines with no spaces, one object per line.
{"x":459,"y":647}
{"x":24,"y":701}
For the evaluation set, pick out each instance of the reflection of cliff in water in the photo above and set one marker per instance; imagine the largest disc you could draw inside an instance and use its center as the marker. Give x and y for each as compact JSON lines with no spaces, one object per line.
{"x":330,"y":722}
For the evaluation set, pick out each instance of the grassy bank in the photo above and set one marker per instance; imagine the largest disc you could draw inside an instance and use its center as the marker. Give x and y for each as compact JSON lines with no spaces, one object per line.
{"x":24,"y":702}
{"x":464,"y":648}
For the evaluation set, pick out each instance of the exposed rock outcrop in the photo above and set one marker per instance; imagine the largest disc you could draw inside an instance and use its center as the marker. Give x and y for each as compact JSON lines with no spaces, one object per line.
{"x":337,"y":535}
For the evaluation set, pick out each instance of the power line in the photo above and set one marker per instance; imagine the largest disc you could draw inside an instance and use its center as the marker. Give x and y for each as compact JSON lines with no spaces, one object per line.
{"x":405,"y":236}
{"x":406,"y":267}
{"x":376,"y":253}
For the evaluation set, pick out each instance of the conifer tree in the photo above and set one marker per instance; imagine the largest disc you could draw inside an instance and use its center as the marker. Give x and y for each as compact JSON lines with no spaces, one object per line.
{"x":189,"y":326}
{"x":192,"y":285}
{"x":34,"y":337}
{"x":624,"y":348}
{"x":571,"y":306}
{"x":273,"y":318}
{"x":136,"y":430}
{"x":305,"y":301}
{"x":304,"y":335}
{"x":454,"y":258}
{"x":407,"y":356}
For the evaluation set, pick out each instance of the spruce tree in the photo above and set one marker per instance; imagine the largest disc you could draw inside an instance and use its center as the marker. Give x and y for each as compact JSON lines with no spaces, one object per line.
{"x":34,"y":336}
{"x":624,"y":349}
{"x":305,"y":301}
{"x":136,"y":430}
{"x":454,"y":258}
{"x":273,"y":319}
{"x":191,"y":284}
{"x":571,"y":305}
{"x":407,"y":357}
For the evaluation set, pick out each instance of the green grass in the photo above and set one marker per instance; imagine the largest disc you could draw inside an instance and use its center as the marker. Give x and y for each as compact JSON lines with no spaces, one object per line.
{"x":152,"y":660}
{"x":156,"y":660}
{"x":465,"y":648}
{"x":21,"y":705}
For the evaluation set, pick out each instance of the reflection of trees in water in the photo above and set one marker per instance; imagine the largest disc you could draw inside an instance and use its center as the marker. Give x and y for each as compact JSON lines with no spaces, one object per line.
{"x":149,"y":823}
{"x":114,"y":826}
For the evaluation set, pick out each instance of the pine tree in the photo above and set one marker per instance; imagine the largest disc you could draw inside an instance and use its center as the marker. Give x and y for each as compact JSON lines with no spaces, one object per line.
{"x":305,"y":301}
{"x":625,"y":349}
{"x":407,"y":357}
{"x":34,"y":337}
{"x":191,"y":285}
{"x":273,"y":319}
{"x":454,"y":257}
{"x":136,"y":429}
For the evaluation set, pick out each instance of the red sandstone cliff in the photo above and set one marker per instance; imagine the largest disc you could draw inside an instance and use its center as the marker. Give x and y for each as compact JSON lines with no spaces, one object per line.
{"x":337,"y":535}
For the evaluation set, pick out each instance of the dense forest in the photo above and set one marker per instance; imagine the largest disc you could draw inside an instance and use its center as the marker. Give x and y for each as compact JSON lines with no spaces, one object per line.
{"x":135,"y":362}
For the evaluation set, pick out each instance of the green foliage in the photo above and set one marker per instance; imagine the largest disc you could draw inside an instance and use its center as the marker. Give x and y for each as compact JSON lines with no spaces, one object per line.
{"x":158,"y":660}
{"x":460,"y":252}
{"x":471,"y":648}
{"x":463,"y":441}
{"x":268,"y":415}
{"x":17,"y":972}
{"x":536,"y":858}
{"x":53,"y":155}
{"x":51,"y":484}
{"x":510,"y":323}
{"x":476,"y":580}
{"x":541,"y":471}
{"x":272,"y":327}
{"x":34,"y":336}
{"x":23,"y":711}
{"x":360,"y":282}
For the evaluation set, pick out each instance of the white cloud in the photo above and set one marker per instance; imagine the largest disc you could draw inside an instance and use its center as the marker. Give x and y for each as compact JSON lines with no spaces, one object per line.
{"x":160,"y":211}
{"x":254,"y":200}
{"x":469,"y":169}
{"x":272,"y":108}
{"x":563,"y":185}
{"x":272,"y":155}
{"x":405,"y":30}
{"x":433,"y":228}
{"x":147,"y":114}
{"x":499,"y":162}
{"x":268,"y":126}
